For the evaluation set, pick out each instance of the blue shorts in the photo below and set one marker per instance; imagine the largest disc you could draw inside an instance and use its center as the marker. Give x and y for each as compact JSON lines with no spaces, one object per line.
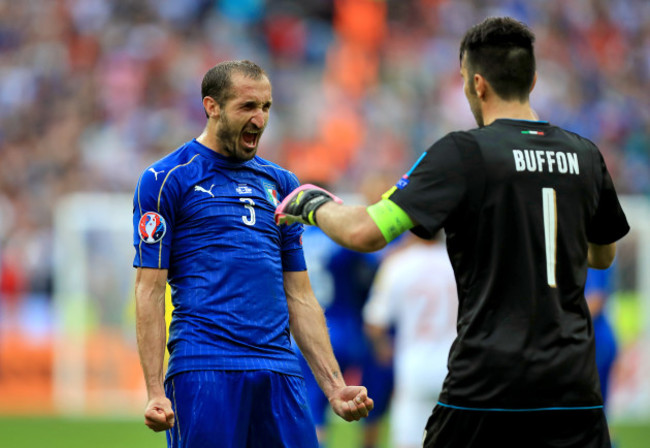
{"x":239,"y":409}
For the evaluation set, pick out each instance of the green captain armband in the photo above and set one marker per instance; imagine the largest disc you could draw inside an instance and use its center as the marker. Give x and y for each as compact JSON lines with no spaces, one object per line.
{"x":391,"y":220}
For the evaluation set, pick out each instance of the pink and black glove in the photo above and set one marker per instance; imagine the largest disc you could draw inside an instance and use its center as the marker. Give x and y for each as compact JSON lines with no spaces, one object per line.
{"x":301,"y":205}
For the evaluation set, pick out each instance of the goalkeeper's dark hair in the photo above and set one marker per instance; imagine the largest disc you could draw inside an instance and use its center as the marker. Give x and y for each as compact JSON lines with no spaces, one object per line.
{"x":501,"y":50}
{"x":217,"y":82}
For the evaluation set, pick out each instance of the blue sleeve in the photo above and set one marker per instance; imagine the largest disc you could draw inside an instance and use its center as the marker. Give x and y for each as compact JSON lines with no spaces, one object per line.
{"x":153,"y":221}
{"x":293,"y":258}
{"x":598,"y":280}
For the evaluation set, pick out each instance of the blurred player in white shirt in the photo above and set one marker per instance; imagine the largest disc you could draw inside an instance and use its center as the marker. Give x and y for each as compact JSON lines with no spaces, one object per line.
{"x":414,"y":291}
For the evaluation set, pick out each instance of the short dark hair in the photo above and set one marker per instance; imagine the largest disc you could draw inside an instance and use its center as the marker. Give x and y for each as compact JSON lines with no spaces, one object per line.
{"x":501,"y":50}
{"x":217,"y":82}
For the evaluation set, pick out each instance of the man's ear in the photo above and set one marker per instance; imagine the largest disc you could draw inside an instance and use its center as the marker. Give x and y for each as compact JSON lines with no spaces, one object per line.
{"x":211,"y":107}
{"x":480,"y":86}
{"x":532,"y":85}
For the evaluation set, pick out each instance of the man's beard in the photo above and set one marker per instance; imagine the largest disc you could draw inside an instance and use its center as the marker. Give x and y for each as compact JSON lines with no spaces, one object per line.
{"x":228,"y":139}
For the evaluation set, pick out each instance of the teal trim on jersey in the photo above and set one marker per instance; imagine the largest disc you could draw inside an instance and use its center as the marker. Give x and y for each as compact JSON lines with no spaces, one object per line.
{"x":408,"y":173}
{"x":559,"y":408}
{"x":529,"y":121}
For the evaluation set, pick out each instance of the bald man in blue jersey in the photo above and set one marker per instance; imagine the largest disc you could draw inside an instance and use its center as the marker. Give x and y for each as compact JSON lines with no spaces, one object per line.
{"x":203,"y":222}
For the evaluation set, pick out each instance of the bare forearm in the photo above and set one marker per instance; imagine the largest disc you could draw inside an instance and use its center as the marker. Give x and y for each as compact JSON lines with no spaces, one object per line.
{"x":310,"y":332}
{"x":151,"y":331}
{"x":350,"y":226}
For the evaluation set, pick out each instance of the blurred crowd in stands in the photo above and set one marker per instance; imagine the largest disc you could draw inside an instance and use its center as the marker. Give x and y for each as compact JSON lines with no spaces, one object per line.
{"x":92,"y":91}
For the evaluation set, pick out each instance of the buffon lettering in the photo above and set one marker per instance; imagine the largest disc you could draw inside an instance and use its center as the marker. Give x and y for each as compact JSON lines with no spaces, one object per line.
{"x":537,"y":160}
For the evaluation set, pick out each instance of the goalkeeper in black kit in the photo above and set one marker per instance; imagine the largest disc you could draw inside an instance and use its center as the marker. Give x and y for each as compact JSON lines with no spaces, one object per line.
{"x":527,"y":207}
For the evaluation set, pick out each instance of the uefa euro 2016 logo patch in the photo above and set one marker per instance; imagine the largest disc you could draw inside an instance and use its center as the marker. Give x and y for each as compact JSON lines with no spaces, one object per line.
{"x":152,"y":227}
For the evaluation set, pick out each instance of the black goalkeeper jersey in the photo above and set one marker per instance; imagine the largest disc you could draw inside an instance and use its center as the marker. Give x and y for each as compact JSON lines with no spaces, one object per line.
{"x":518,"y":200}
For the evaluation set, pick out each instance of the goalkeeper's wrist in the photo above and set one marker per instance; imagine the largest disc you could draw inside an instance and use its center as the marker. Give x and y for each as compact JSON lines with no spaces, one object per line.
{"x":311,"y":215}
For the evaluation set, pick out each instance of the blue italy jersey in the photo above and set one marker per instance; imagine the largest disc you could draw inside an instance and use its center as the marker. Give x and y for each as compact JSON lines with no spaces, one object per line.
{"x":209,"y":220}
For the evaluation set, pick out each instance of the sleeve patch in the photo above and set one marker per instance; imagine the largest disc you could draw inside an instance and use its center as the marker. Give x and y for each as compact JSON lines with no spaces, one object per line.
{"x":152,"y":227}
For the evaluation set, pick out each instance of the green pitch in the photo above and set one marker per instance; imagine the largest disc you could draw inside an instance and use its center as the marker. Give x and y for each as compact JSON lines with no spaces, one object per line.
{"x":33,"y":432}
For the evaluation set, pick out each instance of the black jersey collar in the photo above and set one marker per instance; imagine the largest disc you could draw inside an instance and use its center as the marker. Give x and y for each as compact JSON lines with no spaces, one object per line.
{"x":521,"y":122}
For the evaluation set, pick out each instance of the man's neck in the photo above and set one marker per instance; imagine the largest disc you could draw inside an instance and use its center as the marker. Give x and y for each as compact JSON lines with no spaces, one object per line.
{"x":513,"y":110}
{"x":206,"y":140}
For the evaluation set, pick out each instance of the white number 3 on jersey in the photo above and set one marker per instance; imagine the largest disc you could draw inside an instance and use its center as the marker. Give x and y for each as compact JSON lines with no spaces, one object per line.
{"x":250,"y":219}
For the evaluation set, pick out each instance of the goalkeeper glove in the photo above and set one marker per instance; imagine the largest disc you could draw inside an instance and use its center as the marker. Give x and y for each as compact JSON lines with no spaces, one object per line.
{"x":301,"y":205}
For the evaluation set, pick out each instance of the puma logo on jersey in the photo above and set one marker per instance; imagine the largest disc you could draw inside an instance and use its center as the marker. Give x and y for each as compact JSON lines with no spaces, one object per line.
{"x":199,"y":188}
{"x":156,"y":173}
{"x":548,"y":161}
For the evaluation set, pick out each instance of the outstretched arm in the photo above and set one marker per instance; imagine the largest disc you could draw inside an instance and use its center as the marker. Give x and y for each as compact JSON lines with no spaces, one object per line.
{"x":151,"y":333}
{"x":350,"y":226}
{"x":308,"y":327}
{"x":364,"y":229}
